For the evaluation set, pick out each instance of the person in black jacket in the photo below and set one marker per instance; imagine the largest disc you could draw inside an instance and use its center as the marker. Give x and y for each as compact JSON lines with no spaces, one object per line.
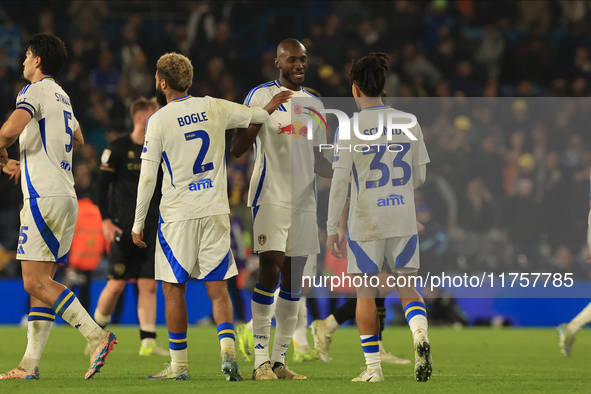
{"x":118,"y":183}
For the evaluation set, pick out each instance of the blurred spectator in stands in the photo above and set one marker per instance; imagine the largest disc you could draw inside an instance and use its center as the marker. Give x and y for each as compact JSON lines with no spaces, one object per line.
{"x":84,"y":185}
{"x":436,"y":18}
{"x":224,"y":48}
{"x":554,"y":185}
{"x":490,"y":51}
{"x":533,"y":57}
{"x":95,"y":121}
{"x":581,"y":65}
{"x":438,"y":193}
{"x":576,"y":198}
{"x":130,"y":46}
{"x":228,"y":88}
{"x":46,"y":23}
{"x":534,"y":12}
{"x":200,"y":27}
{"x":522,"y":222}
{"x":433,"y":241}
{"x":105,"y":77}
{"x":444,"y":58}
{"x":89,"y":12}
{"x":393,"y":74}
{"x":118,"y":114}
{"x":464,"y":81}
{"x":76,"y":84}
{"x":406,"y":22}
{"x":210,"y":85}
{"x":139,"y":78}
{"x":573,"y":11}
{"x":479,"y":212}
{"x":416,"y":64}
{"x":487,"y":163}
{"x":563,"y":262}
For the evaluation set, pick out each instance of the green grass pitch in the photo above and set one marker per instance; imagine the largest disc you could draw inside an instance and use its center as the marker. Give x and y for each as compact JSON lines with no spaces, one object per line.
{"x":465,"y":361}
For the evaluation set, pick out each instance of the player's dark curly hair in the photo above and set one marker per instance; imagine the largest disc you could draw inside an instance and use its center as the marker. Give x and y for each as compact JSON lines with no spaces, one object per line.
{"x":51,"y":50}
{"x":369,"y":73}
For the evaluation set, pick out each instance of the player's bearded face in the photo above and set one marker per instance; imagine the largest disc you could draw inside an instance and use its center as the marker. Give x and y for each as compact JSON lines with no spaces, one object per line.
{"x":160,"y":96}
{"x":295,"y":70}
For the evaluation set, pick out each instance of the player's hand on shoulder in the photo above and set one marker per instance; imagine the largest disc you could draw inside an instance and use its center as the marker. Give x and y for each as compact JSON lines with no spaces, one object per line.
{"x":110,"y":230}
{"x":137,"y":239}
{"x":12,"y":168}
{"x":280,"y":98}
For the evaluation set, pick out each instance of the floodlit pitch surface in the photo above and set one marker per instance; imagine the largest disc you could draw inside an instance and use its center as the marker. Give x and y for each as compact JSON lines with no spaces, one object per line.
{"x":465,"y":361}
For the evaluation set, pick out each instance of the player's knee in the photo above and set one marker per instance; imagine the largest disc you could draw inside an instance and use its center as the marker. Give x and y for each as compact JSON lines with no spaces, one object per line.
{"x":269,"y":273}
{"x":30,"y":284}
{"x":147,"y":286}
{"x":116,"y":287}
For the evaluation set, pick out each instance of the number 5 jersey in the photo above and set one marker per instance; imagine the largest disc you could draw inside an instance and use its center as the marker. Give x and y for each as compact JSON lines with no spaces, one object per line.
{"x":47,"y":142}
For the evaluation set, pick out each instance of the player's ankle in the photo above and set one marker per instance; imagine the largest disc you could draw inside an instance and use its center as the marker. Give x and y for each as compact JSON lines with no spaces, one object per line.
{"x":28,"y":364}
{"x":303,"y":349}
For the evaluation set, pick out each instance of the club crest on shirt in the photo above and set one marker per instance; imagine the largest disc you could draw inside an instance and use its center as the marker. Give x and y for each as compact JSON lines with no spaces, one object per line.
{"x":262,"y":239}
{"x":131,"y":154}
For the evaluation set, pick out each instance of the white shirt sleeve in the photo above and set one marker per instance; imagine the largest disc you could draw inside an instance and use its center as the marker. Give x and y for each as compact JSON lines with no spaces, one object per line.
{"x":238,"y":115}
{"x":28,"y":100}
{"x":147,"y":184}
{"x":153,"y":146}
{"x":151,"y":156}
{"x":337,"y":198}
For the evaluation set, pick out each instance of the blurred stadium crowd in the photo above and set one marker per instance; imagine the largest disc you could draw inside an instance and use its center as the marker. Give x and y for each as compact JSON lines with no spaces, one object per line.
{"x":508,"y":183}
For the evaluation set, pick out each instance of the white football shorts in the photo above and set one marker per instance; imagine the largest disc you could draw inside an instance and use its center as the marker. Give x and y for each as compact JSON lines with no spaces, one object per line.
{"x":47,"y":229}
{"x":311,"y":268}
{"x":280,"y":229}
{"x":402,"y":254}
{"x":196,"y":248}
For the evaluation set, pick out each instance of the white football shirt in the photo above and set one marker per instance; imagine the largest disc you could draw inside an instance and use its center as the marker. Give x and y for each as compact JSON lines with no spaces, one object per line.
{"x":188,"y":136}
{"x":382,"y":193}
{"x":283,"y":172}
{"x":46,"y":144}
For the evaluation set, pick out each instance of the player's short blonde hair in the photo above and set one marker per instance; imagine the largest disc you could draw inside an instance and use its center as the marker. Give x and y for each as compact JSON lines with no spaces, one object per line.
{"x":176,"y":70}
{"x":142,"y":104}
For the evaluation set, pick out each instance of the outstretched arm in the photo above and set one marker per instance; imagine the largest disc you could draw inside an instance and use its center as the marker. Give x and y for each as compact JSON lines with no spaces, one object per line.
{"x":244,"y":138}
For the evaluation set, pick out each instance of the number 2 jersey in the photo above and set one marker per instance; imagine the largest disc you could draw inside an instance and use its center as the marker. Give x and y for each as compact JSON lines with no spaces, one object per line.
{"x":47,"y":142}
{"x":188,"y":135}
{"x":382,"y":192}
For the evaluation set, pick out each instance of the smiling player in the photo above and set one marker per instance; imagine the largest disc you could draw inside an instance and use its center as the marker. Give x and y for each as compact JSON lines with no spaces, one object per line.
{"x":283,"y":205}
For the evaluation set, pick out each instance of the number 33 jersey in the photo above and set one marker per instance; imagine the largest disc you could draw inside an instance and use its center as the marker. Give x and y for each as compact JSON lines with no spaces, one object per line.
{"x":382,"y":193}
{"x":47,"y":142}
{"x":188,"y":136}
